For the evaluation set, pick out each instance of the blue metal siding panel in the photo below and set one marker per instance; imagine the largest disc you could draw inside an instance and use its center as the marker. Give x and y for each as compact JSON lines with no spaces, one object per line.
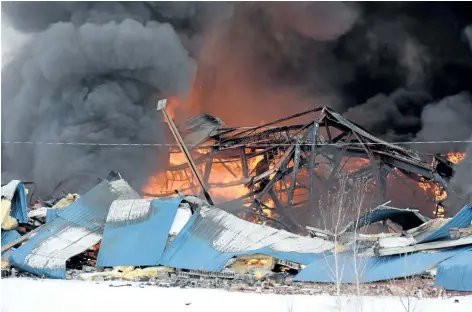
{"x":138,"y":242}
{"x":9,"y":236}
{"x":84,"y":221}
{"x":456,"y":273}
{"x":462,"y":219}
{"x":51,"y":214}
{"x":194,"y":248}
{"x":371,"y":269}
{"x":18,"y":204}
{"x":188,"y":251}
{"x":19,"y":257}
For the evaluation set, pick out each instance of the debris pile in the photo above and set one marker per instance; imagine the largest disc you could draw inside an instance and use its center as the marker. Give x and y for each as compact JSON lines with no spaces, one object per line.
{"x":111,"y":232}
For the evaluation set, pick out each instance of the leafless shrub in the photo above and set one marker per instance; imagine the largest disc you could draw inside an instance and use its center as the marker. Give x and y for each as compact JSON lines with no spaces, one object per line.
{"x":338,"y":209}
{"x":406,"y":289}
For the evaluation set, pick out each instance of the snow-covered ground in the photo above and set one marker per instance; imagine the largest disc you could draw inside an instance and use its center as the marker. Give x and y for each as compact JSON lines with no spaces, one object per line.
{"x":59,"y":295}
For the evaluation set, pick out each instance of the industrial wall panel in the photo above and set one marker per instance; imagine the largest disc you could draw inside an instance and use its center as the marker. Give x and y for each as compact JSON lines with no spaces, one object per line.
{"x":212,"y":237}
{"x":456,"y":273}
{"x":136,"y":232}
{"x":74,"y":230}
{"x":15,"y":193}
{"x":405,"y":217}
{"x":51,"y":214}
{"x":462,"y":219}
{"x":350,"y":269}
{"x":9,"y":236}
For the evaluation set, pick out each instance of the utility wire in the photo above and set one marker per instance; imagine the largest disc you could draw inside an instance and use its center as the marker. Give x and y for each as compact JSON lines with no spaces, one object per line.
{"x":216,"y":144}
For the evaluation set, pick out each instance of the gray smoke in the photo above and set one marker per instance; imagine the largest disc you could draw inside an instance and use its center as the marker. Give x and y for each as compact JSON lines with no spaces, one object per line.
{"x":396,"y":110}
{"x":446,"y":120}
{"x":91,"y":73}
{"x":461,"y":123}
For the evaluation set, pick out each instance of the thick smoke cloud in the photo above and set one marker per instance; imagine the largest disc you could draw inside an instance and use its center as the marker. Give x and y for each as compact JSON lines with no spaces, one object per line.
{"x":462,"y":180}
{"x":400,"y":110}
{"x":92,"y":69}
{"x":88,"y":75}
{"x":447,"y":120}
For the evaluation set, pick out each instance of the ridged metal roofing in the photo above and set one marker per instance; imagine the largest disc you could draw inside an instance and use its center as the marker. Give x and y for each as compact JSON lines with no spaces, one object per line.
{"x":352,"y":269}
{"x":9,"y":236}
{"x":456,"y":273}
{"x":15,"y":192}
{"x":212,"y":237}
{"x":407,"y":218}
{"x":74,"y":230}
{"x":136,"y":232}
{"x":462,"y":219}
{"x":51,"y":214}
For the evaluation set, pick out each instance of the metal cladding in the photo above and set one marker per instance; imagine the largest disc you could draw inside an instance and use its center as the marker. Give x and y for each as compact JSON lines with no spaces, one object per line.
{"x":212,"y":237}
{"x":51,"y":214}
{"x":456,"y":273}
{"x":15,"y":192}
{"x":136,"y":231}
{"x":407,"y":218}
{"x":352,"y":269}
{"x":74,"y":230}
{"x":9,"y":236}
{"x":462,"y":219}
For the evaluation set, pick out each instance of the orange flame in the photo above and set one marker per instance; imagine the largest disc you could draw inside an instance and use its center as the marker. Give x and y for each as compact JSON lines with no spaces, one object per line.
{"x":455,"y":157}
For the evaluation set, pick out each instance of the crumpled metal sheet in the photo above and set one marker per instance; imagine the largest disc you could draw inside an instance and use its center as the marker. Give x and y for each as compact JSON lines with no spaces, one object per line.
{"x":462,"y":219}
{"x":136,"y":232}
{"x":51,"y":214}
{"x":212,"y":237}
{"x":407,"y":218}
{"x":372,"y":269}
{"x":456,"y":273}
{"x":74,"y":230}
{"x":15,"y":193}
{"x":9,"y":236}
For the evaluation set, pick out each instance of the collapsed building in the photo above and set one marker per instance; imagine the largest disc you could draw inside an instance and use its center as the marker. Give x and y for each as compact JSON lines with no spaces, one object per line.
{"x":284,"y":167}
{"x":287,"y":168}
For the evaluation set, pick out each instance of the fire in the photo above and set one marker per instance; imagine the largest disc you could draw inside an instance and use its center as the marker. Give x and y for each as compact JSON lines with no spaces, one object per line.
{"x":455,"y":157}
{"x":433,"y":190}
{"x":261,"y":261}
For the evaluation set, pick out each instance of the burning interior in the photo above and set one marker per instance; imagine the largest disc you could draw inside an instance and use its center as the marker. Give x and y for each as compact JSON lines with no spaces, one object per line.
{"x":279,"y":173}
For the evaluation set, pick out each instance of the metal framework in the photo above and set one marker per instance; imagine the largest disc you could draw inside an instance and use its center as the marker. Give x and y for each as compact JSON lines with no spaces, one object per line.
{"x":287,"y":163}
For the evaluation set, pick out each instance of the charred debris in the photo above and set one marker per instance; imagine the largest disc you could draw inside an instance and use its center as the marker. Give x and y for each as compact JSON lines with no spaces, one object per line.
{"x":292,"y":163}
{"x":265,"y":235}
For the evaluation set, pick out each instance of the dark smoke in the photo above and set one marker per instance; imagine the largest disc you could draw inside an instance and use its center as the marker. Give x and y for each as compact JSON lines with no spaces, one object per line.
{"x":93,"y":69}
{"x":462,"y":180}
{"x":91,"y":73}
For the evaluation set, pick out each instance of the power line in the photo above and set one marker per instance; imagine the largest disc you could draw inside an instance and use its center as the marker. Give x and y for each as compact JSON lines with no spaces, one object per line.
{"x":248,"y":144}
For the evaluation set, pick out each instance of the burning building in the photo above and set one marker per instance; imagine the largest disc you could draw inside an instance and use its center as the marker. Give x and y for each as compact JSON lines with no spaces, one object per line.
{"x":281,"y":171}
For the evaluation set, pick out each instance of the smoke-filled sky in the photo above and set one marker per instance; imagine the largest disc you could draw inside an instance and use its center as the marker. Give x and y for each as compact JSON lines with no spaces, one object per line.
{"x":91,"y":71}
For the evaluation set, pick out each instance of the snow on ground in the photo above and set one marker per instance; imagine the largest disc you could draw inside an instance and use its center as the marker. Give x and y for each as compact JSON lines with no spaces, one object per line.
{"x":20,"y":294}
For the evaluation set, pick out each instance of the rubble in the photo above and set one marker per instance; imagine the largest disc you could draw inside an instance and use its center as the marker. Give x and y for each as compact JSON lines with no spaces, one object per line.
{"x":111,"y":233}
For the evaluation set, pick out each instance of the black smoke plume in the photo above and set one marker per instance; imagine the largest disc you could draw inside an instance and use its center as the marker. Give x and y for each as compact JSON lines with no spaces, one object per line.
{"x":91,"y":72}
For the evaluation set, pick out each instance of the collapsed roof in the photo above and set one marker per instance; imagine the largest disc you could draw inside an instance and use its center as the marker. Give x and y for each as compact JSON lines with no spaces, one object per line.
{"x":308,"y":150}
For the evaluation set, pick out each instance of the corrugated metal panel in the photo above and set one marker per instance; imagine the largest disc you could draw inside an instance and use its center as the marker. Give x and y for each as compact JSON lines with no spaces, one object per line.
{"x":9,"y":190}
{"x":6,"y":254}
{"x":212,"y":237}
{"x":15,"y":192}
{"x":74,"y":230}
{"x":372,"y":269}
{"x":136,"y":232}
{"x":407,"y":218}
{"x":456,"y":273}
{"x":9,"y":236}
{"x":51,"y":214}
{"x":462,"y":219}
